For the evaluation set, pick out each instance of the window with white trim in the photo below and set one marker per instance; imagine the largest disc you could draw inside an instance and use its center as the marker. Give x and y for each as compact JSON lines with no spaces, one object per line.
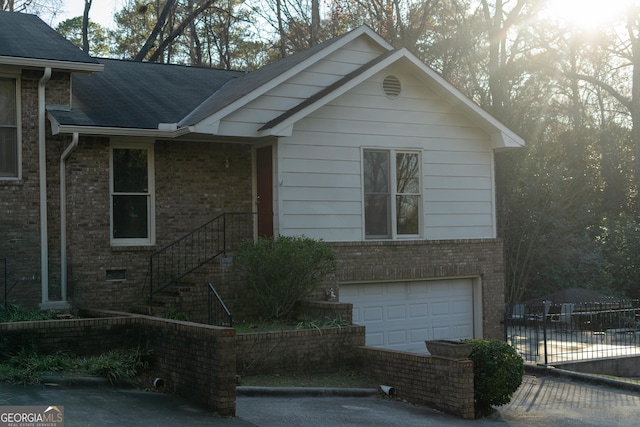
{"x":9,"y":129}
{"x":392,"y":193}
{"x":132,"y":195}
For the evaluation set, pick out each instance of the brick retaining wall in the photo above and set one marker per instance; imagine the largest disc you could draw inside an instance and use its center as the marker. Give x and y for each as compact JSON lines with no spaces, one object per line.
{"x":200,"y":361}
{"x":304,"y":351}
{"x":197,"y":361}
{"x":439,"y":383}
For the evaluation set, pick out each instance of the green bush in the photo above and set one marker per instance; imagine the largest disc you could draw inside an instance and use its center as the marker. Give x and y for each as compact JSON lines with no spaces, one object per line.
{"x":283,"y":270}
{"x":498,"y":372}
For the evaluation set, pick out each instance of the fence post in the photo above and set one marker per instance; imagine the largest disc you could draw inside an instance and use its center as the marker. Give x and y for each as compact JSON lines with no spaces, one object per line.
{"x":6,"y":284}
{"x":544,"y":331}
{"x":506,"y":326}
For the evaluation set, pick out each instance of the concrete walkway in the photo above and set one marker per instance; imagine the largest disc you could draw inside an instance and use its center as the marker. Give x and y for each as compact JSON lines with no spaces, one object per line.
{"x":540,"y":401}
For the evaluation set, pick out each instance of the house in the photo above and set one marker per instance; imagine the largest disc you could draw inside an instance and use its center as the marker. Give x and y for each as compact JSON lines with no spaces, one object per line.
{"x":105,"y":162}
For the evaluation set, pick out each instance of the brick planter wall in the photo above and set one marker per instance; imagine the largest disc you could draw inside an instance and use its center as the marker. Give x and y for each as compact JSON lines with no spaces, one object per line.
{"x":199,"y":361}
{"x":196,"y":361}
{"x":299,"y":352}
{"x":439,"y":383}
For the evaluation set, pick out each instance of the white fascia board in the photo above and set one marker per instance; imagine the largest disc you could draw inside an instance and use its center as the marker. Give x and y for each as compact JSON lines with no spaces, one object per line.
{"x":219,"y":115}
{"x":55,"y":65}
{"x":206,"y":127}
{"x":502,"y":140}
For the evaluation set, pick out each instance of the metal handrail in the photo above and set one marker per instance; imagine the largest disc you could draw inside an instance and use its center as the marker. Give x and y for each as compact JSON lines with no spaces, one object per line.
{"x":212,"y":293}
{"x":217,"y":237}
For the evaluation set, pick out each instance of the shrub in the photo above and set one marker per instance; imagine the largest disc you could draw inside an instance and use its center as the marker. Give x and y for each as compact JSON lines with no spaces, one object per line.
{"x":498,"y":372}
{"x":283,"y":270}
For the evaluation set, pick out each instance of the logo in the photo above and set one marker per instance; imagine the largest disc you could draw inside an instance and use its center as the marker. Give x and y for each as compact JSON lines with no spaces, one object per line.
{"x":31,"y":416}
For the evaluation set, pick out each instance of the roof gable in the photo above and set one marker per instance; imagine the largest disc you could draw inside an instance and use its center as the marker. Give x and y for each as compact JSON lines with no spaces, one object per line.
{"x":243,"y":90}
{"x":25,"y":40}
{"x":501,"y":136}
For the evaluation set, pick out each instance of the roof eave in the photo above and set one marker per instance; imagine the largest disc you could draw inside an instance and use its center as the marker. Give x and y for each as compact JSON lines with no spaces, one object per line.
{"x":57,"y":128}
{"x":56,"y":65}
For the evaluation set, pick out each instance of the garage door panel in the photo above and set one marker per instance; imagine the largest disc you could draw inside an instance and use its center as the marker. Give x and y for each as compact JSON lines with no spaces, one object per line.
{"x":440,"y":309}
{"x":402,"y":315}
{"x":398,"y":337}
{"x":418,"y":310}
{"x":375,"y":290}
{"x":373,"y":314}
{"x":419,"y":335}
{"x":396,"y":312}
{"x":375,"y":339}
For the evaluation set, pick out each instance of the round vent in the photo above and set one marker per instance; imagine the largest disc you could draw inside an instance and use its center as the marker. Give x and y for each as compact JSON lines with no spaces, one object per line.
{"x":391,"y":86}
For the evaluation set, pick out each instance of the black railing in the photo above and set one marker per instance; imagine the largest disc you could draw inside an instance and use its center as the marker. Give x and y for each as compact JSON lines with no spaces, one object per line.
{"x":548,"y":333}
{"x":219,"y":314}
{"x":217,"y":237}
{"x":5,"y":282}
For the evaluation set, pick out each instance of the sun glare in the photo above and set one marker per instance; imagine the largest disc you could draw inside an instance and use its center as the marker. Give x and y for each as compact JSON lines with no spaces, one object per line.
{"x":586,"y":13}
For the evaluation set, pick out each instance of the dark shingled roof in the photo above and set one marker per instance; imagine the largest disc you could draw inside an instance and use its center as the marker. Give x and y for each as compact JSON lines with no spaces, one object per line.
{"x":27,"y":36}
{"x":129,"y":94}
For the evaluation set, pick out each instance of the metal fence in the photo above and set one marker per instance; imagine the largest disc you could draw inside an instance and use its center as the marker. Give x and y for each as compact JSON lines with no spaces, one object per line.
{"x":549,"y":333}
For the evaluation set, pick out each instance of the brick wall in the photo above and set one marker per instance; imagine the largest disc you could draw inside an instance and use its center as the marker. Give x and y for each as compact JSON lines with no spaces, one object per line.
{"x":439,"y":383}
{"x":299,"y":352}
{"x":413,"y":260}
{"x":196,"y":361}
{"x":192,"y":187}
{"x":200,"y":362}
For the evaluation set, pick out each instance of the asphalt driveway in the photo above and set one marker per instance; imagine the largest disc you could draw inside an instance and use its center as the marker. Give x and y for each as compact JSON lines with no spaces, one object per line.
{"x":540,"y":401}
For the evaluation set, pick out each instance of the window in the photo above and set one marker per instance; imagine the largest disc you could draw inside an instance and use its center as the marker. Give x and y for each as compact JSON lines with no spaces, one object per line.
{"x":392,"y":193}
{"x":9,"y":135}
{"x":132,"y":195}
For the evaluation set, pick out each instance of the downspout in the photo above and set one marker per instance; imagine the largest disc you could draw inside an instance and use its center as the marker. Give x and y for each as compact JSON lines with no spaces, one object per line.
{"x":63,"y":215}
{"x":44,"y":239}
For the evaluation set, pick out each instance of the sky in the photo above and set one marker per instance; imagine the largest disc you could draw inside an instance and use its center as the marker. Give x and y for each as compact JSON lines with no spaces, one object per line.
{"x":101,"y":11}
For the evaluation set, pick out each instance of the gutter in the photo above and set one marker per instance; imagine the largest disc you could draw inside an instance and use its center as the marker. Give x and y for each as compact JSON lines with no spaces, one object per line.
{"x":63,"y":215}
{"x":42,"y":172}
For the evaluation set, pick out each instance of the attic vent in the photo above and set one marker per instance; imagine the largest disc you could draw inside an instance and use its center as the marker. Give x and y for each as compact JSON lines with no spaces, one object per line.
{"x":391,"y":86}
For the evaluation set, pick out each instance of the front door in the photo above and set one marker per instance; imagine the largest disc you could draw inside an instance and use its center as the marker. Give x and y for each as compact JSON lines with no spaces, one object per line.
{"x":264,"y":191}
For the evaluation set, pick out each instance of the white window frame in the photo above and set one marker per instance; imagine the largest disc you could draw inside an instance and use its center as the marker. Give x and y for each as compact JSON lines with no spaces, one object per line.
{"x":18,"y":175}
{"x":393,"y":186}
{"x":151,"y":199}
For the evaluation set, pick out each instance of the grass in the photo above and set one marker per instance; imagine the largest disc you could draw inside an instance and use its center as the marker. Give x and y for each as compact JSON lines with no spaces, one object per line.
{"x":28,"y":366}
{"x":342,"y":379}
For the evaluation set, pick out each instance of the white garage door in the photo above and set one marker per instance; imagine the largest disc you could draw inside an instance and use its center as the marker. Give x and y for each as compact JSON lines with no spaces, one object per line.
{"x":403,"y":315}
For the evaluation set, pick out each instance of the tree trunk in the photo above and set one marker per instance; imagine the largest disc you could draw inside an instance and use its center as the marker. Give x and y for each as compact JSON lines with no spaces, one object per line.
{"x":156,"y":30}
{"x":85,"y":26}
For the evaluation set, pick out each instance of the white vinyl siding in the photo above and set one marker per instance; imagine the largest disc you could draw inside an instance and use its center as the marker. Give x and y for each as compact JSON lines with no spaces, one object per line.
{"x":320,"y":186}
